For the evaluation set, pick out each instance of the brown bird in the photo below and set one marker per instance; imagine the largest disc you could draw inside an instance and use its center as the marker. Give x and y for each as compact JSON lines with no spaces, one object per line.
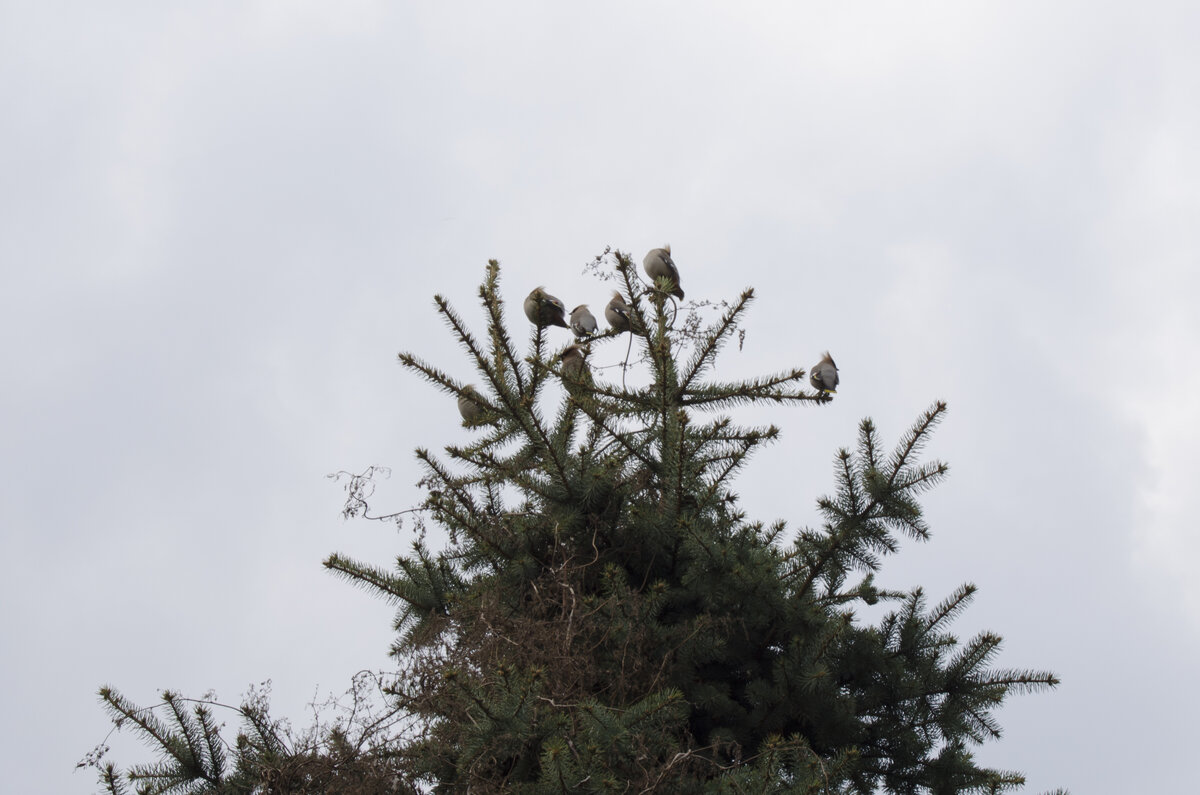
{"x":617,"y":313}
{"x":574,"y":362}
{"x":583,"y":322}
{"x":468,"y":407}
{"x":543,"y":309}
{"x":824,"y":375}
{"x":659,"y":265}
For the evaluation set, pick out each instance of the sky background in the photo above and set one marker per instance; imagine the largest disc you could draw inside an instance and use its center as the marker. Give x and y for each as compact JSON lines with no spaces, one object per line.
{"x":219,"y":223}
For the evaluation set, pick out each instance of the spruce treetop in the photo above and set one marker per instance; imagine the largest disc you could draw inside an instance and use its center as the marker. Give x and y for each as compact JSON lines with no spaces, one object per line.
{"x":603,"y":616}
{"x":606,"y":616}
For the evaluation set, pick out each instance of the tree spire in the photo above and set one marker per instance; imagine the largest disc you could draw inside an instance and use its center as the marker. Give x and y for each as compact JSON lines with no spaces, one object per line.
{"x":603,"y":616}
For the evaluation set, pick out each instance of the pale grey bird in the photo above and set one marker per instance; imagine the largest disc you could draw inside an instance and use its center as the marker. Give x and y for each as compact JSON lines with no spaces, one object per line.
{"x":583,"y":322}
{"x":468,"y":406}
{"x":543,"y":309}
{"x":659,"y":265}
{"x":574,"y":362}
{"x":617,"y":313}
{"x":824,"y":375}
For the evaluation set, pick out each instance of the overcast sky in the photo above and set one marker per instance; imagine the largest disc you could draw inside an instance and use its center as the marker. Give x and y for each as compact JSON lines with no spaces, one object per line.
{"x":219,"y":223}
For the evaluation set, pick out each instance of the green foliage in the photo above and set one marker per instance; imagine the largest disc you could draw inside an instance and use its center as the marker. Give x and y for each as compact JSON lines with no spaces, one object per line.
{"x":352,"y":754}
{"x":604,"y":617}
{"x":604,"y":612}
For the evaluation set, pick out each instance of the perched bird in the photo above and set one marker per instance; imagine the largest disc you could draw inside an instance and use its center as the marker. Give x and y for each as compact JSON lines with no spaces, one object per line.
{"x":468,"y":407}
{"x":659,"y":265}
{"x":543,"y":309}
{"x":574,"y":362}
{"x":583,"y":323}
{"x":617,"y":313}
{"x":824,"y":375}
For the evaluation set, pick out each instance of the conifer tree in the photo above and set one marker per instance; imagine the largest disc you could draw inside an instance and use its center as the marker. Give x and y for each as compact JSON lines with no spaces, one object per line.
{"x":604,"y":617}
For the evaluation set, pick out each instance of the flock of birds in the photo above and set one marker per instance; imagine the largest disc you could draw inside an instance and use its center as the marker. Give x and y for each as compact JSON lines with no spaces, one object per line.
{"x":543,"y":309}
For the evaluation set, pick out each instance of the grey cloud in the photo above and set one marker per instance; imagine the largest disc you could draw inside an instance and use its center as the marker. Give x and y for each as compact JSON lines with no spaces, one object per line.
{"x":219,"y":226}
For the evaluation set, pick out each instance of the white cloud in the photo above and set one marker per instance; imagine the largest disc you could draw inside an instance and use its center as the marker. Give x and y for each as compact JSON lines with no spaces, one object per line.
{"x":1159,"y":383}
{"x":1149,"y":348}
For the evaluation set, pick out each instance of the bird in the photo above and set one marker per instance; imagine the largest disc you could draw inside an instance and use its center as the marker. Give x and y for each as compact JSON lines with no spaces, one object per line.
{"x":659,"y":265}
{"x":543,"y":309}
{"x":468,"y":407}
{"x":617,"y":313}
{"x":583,"y":322}
{"x":824,"y":375}
{"x":574,"y":362}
